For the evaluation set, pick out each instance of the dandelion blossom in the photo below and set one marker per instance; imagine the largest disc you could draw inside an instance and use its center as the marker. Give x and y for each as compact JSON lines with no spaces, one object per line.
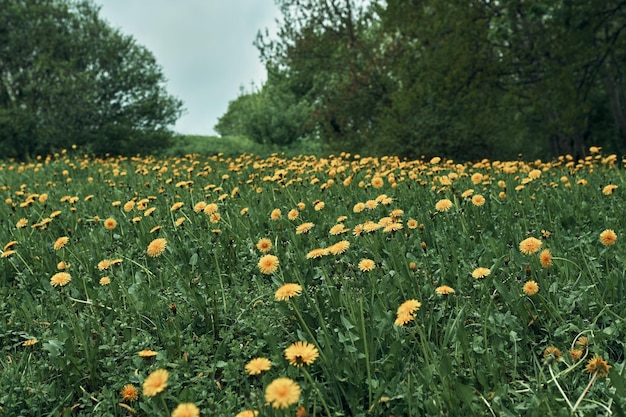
{"x":156,"y":247}
{"x":287,"y":291}
{"x":155,"y":383}
{"x":282,"y":392}
{"x":60,"y":279}
{"x":609,"y":189}
{"x":275,"y":214}
{"x":377,"y":182}
{"x":608,"y":237}
{"x":248,"y":413}
{"x":406,"y":311}
{"x":481,"y":272}
{"x":21,"y":223}
{"x":530,"y":245}
{"x":129,"y":393}
{"x":317,"y":253}
{"x":61,"y":242}
{"x":105,"y":281}
{"x":177,"y":206}
{"x":545,"y":258}
{"x":110,"y":223}
{"x":443,"y":205}
{"x":531,"y":288}
{"x":339,"y":247}
{"x":599,"y":365}
{"x":186,"y":410}
{"x":478,"y":200}
{"x":304,"y":228}
{"x":366,"y":265}
{"x":30,"y":342}
{"x":552,"y":352}
{"x":258,"y":365}
{"x":301,"y":353}
{"x":293,"y":214}
{"x":268,"y":264}
{"x":264,"y":245}
{"x":444,"y":290}
{"x":147,"y":353}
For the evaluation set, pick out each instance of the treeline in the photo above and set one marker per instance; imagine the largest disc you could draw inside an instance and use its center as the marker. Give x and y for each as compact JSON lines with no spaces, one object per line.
{"x":466,"y":79}
{"x":67,"y":77}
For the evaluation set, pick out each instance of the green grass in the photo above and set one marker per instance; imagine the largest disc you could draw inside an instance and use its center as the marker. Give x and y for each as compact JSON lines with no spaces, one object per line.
{"x":234,"y":146}
{"x":205,"y":306}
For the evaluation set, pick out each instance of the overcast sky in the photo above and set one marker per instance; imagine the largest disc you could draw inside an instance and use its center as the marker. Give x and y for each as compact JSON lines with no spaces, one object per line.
{"x":204,"y":47}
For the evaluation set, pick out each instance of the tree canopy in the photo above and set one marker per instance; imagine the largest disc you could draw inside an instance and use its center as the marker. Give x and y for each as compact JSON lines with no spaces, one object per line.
{"x":67,"y":77}
{"x":460,"y":78}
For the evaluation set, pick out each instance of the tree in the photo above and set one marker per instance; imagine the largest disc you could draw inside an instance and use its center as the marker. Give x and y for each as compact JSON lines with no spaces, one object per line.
{"x":67,"y":77}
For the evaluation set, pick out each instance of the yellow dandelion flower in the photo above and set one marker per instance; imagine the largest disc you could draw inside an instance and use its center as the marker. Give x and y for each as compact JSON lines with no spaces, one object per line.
{"x":110,"y":223}
{"x":10,"y":245}
{"x":156,"y":247}
{"x":467,"y":193}
{"x":608,"y":237}
{"x":582,"y":341}
{"x":129,"y":393}
{"x":30,"y":342}
{"x":304,"y":228}
{"x":371,"y":204}
{"x":7,"y":253}
{"x":530,"y":288}
{"x":530,"y":245}
{"x":105,"y":281}
{"x":317,"y":253}
{"x":155,"y":383}
{"x":147,"y":353}
{"x":443,"y":205}
{"x":63,"y":265}
{"x":282,"y":392}
{"x":186,"y":410}
{"x":338,"y":229}
{"x":481,"y":272}
{"x":179,"y":221}
{"x":258,"y":365}
{"x":576,"y":354}
{"x":177,"y":206}
{"x":553,"y":353}
{"x":319,"y":206}
{"x":247,"y":413}
{"x":412,"y":224}
{"x":358,"y":207}
{"x":268,"y":264}
{"x":377,"y":182}
{"x":476,"y":178}
{"x":406,"y":312}
{"x":598,"y":365}
{"x":339,"y":247}
{"x":478,"y":200}
{"x":287,"y":291}
{"x":264,"y":245}
{"x":609,"y":189}
{"x":61,"y":242}
{"x":21,"y":223}
{"x":60,"y":279}
{"x":301,"y":353}
{"x":104,"y":264}
{"x":444,"y":290}
{"x":293,"y":214}
{"x":545,"y":258}
{"x":275,"y":214}
{"x":128,"y":206}
{"x":210,"y":208}
{"x":366,"y":265}
{"x":244,"y":211}
{"x":149,"y":211}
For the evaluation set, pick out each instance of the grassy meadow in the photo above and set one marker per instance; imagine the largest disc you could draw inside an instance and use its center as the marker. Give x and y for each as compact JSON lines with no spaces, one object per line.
{"x":308,"y":286}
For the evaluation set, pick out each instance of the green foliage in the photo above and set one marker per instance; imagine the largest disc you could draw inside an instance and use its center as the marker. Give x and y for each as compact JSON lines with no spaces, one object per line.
{"x":461,"y":79}
{"x":68,"y":78}
{"x":271,"y":116}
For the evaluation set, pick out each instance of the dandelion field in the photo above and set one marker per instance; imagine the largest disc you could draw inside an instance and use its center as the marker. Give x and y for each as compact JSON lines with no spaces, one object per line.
{"x":339,"y":286}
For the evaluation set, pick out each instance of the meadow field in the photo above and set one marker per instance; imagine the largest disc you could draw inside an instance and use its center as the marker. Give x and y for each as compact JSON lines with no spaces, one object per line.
{"x":308,"y":286}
